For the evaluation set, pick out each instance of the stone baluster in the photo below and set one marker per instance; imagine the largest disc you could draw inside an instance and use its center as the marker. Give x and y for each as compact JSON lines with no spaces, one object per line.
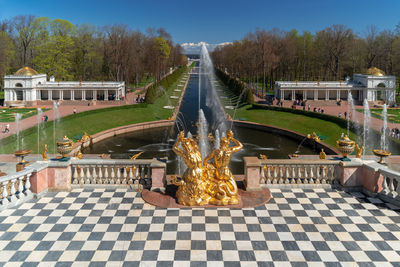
{"x":75,"y":176}
{"x":88,"y":176}
{"x":28,"y":191}
{"x":13,"y":197}
{"x":94,"y":175}
{"x":112,"y":177}
{"x":274,"y":180}
{"x":118,"y":169}
{"x":332,"y":174}
{"x":385,"y":186}
{"x":287,"y":174}
{"x":318,"y":175}
{"x":305,"y":175}
{"x":392,"y":193}
{"x":125,"y":176}
{"x":100,"y":175}
{"x":323,"y":174}
{"x":82,"y":176}
{"x":142,"y":176}
{"x":5,"y":200}
{"x":293,"y":174}
{"x":20,"y":187}
{"x":280,"y":181}
{"x":269,"y":177}
{"x":131,"y":175}
{"x":299,"y":176}
{"x":106,"y":177}
{"x":311,"y":180}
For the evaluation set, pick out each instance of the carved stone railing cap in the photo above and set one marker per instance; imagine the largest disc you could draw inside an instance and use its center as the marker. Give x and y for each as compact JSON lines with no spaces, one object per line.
{"x":391,"y":173}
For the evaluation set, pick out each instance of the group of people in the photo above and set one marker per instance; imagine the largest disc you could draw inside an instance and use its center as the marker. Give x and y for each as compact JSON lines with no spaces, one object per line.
{"x":395,"y":132}
{"x":139,"y":99}
{"x":45,"y":118}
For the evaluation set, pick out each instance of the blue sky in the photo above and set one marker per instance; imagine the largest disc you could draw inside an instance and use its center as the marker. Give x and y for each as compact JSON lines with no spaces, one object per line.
{"x":214,"y":21}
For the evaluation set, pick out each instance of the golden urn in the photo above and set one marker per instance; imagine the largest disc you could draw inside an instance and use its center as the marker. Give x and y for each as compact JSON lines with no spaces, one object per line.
{"x":345,"y":145}
{"x":64,"y":146}
{"x":382,"y":154}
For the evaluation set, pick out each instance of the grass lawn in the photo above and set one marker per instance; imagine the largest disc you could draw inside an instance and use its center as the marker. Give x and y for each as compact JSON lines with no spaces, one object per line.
{"x":1,"y":94}
{"x":298,"y":123}
{"x":8,"y":114}
{"x":92,"y":122}
{"x":393,"y":114}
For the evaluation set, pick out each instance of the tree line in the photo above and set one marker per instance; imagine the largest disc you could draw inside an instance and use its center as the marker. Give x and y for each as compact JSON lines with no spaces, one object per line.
{"x":263,"y":57}
{"x":85,"y":52}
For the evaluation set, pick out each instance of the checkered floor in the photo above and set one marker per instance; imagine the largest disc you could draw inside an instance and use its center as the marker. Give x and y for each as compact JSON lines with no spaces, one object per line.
{"x":113,"y":227}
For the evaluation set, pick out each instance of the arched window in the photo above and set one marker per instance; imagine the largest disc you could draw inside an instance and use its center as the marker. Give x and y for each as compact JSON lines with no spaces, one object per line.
{"x":381,"y":85}
{"x":18,"y":85}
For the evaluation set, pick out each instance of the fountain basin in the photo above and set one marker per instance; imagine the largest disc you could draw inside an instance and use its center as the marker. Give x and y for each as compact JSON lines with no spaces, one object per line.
{"x":382,"y":154}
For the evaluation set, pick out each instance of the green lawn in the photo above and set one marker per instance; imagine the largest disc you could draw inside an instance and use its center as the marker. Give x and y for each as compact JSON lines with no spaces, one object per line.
{"x":298,"y":123}
{"x":93,"y":122}
{"x":1,"y":94}
{"x":8,"y":114}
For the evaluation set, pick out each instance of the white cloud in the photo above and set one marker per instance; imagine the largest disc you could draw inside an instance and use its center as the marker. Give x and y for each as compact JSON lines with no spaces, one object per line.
{"x":195,"y":47}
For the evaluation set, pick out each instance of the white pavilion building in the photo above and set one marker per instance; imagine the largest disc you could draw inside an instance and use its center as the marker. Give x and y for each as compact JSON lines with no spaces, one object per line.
{"x":27,"y":87}
{"x":373,"y":86}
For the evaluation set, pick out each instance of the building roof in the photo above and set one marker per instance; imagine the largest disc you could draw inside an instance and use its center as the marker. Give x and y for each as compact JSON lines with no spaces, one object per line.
{"x":26,"y":71}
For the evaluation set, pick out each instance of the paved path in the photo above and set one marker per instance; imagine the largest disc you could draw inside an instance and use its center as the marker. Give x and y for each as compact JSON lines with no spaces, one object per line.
{"x":114,"y":227}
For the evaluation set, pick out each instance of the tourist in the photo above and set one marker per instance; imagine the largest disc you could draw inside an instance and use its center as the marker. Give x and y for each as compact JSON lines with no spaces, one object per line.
{"x":46,"y":118}
{"x":309,"y":107}
{"x":345,"y":115}
{"x":315,"y":109}
{"x":322,"y":111}
{"x":7,"y":128}
{"x":340,"y":115}
{"x":74,"y":110}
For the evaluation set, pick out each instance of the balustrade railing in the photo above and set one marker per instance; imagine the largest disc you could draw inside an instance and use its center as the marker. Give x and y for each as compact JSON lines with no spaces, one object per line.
{"x":123,"y":172}
{"x":298,"y":172}
{"x":15,"y":188}
{"x":391,"y":183}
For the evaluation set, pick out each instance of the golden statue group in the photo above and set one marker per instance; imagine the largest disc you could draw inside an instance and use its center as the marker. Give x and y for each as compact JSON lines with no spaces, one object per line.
{"x":207,"y":181}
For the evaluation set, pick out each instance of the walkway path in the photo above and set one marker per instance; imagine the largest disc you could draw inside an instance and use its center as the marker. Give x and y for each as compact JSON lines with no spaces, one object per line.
{"x":114,"y":227}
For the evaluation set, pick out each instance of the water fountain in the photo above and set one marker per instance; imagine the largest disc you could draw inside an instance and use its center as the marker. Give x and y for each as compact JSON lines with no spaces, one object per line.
{"x":384,"y":145}
{"x":56,"y":120}
{"x":20,"y":141}
{"x":367,"y":120}
{"x":39,"y":123}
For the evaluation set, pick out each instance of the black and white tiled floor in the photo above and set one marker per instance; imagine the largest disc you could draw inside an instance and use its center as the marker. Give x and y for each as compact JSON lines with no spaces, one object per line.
{"x":114,"y":227}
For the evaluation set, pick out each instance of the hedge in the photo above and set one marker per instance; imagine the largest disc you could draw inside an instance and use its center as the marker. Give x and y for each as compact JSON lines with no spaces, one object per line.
{"x":237,"y":87}
{"x":153,"y":92}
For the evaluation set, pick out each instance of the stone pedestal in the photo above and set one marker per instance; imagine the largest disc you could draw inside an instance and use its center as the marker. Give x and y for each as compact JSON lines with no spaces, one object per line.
{"x":20,"y":166}
{"x":252,"y":166}
{"x":158,"y":175}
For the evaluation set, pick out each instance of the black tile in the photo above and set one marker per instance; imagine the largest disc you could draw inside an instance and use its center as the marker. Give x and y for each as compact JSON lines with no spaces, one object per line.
{"x":66,"y":236}
{"x":224,"y":227}
{"x":358,"y":236}
{"x":320,"y":245}
{"x":198,"y":227}
{"x":214,"y":255}
{"x":44,"y":245}
{"x":281,"y":228}
{"x":211,"y":219}
{"x":167,"y":244}
{"x":290,"y":245}
{"x":375,"y":256}
{"x":343,"y":256}
{"x":75,"y":245}
{"x":381,"y":245}
{"x":142,"y":228}
{"x":106,"y":245}
{"x":185,"y":219}
{"x":213,"y":236}
{"x":170,"y":227}
{"x":158,"y":219}
{"x":154,"y":236}
{"x":96,"y":236}
{"x":136,"y":245}
{"x":228,"y":245}
{"x":117,"y":255}
{"x":183,"y":235}
{"x":254,"y":228}
{"x":105,"y":220}
{"x":387,"y":236}
{"x":29,"y":227}
{"x":311,"y":256}
{"x":58,"y":227}
{"x":271,"y":236}
{"x":115,"y":228}
{"x":53,"y":256}
{"x":246,"y":255}
{"x":20,"y":256}
{"x":85,"y":255}
{"x":198,"y":245}
{"x":279,"y":256}
{"x":242,"y":236}
{"x":309,"y":228}
{"x":125,"y":236}
{"x":182,"y":255}
{"x":13,"y":245}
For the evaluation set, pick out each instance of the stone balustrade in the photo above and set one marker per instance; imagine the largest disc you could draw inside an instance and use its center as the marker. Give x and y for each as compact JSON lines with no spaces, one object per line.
{"x":15,"y":188}
{"x":292,"y":171}
{"x":390,"y":184}
{"x":124,"y":172}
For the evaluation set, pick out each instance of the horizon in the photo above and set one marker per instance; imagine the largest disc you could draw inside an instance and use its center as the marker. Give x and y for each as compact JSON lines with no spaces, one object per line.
{"x":226,"y":22}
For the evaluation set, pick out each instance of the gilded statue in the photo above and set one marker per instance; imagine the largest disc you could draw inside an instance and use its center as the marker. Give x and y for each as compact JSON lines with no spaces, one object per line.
{"x":192,"y":188}
{"x":79,"y":154}
{"x":223,"y":186}
{"x":136,"y":155}
{"x":85,"y":137}
{"x":359,"y":151}
{"x":322,"y":155}
{"x":44,"y":152}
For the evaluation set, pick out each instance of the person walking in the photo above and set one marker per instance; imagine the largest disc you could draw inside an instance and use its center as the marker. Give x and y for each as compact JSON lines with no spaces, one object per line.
{"x":7,"y":128}
{"x":74,"y":110}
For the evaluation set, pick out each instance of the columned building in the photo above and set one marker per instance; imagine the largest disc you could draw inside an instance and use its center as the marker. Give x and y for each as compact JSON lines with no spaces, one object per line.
{"x":27,"y":87}
{"x":373,"y":86}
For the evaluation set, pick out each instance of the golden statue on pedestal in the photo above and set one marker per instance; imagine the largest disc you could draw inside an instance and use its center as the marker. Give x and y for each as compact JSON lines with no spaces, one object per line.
{"x":193,"y":185}
{"x":203,"y":182}
{"x":44,"y":152}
